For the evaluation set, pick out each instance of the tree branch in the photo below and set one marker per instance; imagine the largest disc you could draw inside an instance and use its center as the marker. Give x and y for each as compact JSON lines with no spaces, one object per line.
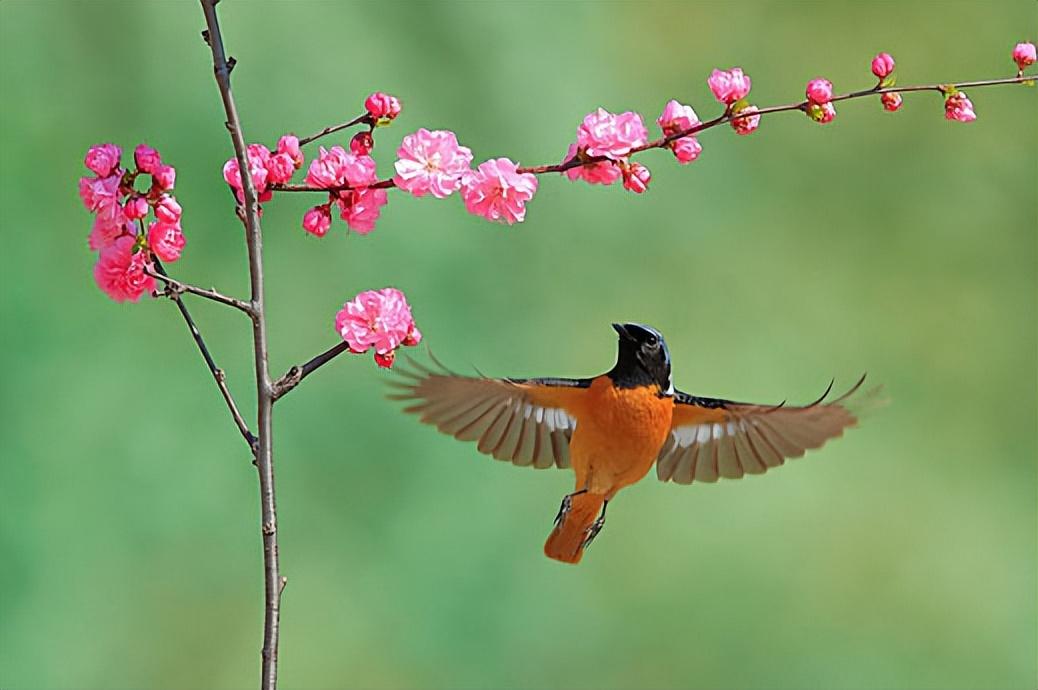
{"x":176,"y":287}
{"x":273,"y":581}
{"x":297,"y":373}
{"x":335,"y":128}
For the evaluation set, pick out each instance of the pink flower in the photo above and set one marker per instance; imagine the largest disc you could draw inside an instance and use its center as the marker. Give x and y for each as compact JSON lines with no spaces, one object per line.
{"x":99,"y":191}
{"x":119,"y":272}
{"x":382,"y":107}
{"x":819,"y":91}
{"x":375,"y":319}
{"x":102,"y":159}
{"x":414,"y":336}
{"x":280,"y":167}
{"x":317,"y":220}
{"x":497,"y":191}
{"x":165,"y":176}
{"x":602,"y":172}
{"x":360,"y":208}
{"x":147,"y":159}
{"x":891,"y":101}
{"x":958,"y":107}
{"x":335,"y":168}
{"x":729,"y":86}
{"x":636,"y":178}
{"x":362,"y":143}
{"x":822,"y":114}
{"x":745,"y":125}
{"x":431,"y":163}
{"x":883,"y":65}
{"x":168,"y":210}
{"x":258,"y":157}
{"x":104,"y":233}
{"x":289,"y":145}
{"x":136,"y":207}
{"x":686,"y":149}
{"x":677,"y":117}
{"x":385,"y":361}
{"x":604,"y":134}
{"x":1023,"y":55}
{"x":166,"y":240}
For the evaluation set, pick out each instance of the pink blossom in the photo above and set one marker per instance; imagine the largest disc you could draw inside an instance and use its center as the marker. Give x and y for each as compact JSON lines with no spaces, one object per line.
{"x":104,"y":233}
{"x":602,"y":172}
{"x":317,"y":220}
{"x":99,"y":191}
{"x":414,"y":336}
{"x":431,"y":163}
{"x":165,"y":176}
{"x":379,"y":319}
{"x":636,"y":178}
{"x":102,"y":159}
{"x":958,"y":107}
{"x":289,"y":145}
{"x":167,"y":209}
{"x":119,"y":272}
{"x":335,"y":168}
{"x":676,"y":117}
{"x":497,"y":191}
{"x":136,"y":207}
{"x":822,"y":114}
{"x":745,"y":125}
{"x":362,"y":143}
{"x":891,"y":101}
{"x":604,"y":134}
{"x":729,"y":86}
{"x":382,"y":106}
{"x":1023,"y":55}
{"x":258,"y":157}
{"x":385,"y":361}
{"x":686,"y":149}
{"x":280,"y":167}
{"x":147,"y":159}
{"x":883,"y":65}
{"x":166,"y":240}
{"x":360,"y":208}
{"x":819,"y":91}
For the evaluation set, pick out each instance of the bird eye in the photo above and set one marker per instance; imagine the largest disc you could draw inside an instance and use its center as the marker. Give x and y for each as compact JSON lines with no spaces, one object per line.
{"x":651,"y":341}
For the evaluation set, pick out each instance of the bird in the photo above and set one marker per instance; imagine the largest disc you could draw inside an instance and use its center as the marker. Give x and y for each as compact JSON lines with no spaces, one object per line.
{"x":612,"y":428}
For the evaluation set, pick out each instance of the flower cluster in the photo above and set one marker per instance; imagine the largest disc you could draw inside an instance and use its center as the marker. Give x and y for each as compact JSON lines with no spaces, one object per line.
{"x":677,"y":117}
{"x":120,"y":200}
{"x":349,"y":177}
{"x":610,"y":138}
{"x":266,"y":167}
{"x":379,"y":320}
{"x":819,"y":101}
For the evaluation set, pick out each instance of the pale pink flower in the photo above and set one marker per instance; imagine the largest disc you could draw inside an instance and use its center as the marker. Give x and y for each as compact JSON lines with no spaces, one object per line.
{"x":636,"y":178}
{"x":883,"y":65}
{"x":335,"y":168}
{"x":289,"y":145}
{"x":1023,"y":55}
{"x":958,"y":107}
{"x":164,"y":176}
{"x":686,"y":149}
{"x":360,"y":208}
{"x":147,"y":159}
{"x":677,"y":117}
{"x":382,"y":106}
{"x":431,"y":163}
{"x":891,"y":101}
{"x":136,"y":207}
{"x":745,"y":125}
{"x":119,"y":272}
{"x":602,"y":172}
{"x":166,"y":240}
{"x":604,"y":134}
{"x":729,"y":86}
{"x":497,"y":191}
{"x":317,"y":220}
{"x":379,"y":319}
{"x":362,"y":143}
{"x":280,"y":168}
{"x":102,"y":159}
{"x":819,"y":91}
{"x":168,"y":210}
{"x":105,"y":233}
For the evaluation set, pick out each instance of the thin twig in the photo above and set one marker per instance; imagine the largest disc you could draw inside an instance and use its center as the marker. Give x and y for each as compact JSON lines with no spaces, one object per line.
{"x":297,"y":373}
{"x":174,"y":286}
{"x":217,"y":372}
{"x":662,"y":142}
{"x":335,"y":128}
{"x":273,"y":581}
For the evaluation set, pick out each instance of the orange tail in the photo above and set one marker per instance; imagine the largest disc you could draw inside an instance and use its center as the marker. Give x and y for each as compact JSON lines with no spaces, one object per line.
{"x":566,"y":541}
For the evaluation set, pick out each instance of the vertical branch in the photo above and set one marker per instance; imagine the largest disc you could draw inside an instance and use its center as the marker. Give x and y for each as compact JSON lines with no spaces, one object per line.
{"x":273,"y":582}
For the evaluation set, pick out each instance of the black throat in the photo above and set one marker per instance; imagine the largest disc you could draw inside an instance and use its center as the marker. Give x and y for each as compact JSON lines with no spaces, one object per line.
{"x":631,"y":372}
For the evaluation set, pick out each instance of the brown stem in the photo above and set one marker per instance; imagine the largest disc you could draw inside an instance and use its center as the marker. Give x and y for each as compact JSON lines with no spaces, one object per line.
{"x":216,"y":371}
{"x":273,"y":582}
{"x":176,"y":287}
{"x":335,"y":128}
{"x":297,"y":373}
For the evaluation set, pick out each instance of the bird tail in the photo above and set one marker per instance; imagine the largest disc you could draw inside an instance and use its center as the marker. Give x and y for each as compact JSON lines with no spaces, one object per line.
{"x":566,"y":541}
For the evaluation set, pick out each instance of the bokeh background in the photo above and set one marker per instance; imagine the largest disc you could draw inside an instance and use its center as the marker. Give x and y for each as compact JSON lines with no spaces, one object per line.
{"x":902,"y":556}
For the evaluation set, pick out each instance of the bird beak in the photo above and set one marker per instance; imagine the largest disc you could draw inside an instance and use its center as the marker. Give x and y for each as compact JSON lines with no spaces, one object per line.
{"x":619,"y":328}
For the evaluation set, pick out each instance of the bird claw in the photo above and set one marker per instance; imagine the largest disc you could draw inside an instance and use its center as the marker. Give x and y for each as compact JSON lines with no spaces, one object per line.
{"x":591,"y":532}
{"x":567,"y":503}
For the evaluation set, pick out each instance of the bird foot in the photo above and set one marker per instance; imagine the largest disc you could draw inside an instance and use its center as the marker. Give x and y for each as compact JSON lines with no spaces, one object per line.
{"x":591,"y":532}
{"x":567,"y":503}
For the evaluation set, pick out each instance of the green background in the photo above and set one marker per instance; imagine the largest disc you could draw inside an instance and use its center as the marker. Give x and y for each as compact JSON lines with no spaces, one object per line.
{"x":902,"y":556}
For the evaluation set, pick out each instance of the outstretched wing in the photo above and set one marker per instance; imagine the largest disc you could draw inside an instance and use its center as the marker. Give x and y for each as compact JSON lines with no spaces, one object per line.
{"x":527,"y":422}
{"x":711,"y":438}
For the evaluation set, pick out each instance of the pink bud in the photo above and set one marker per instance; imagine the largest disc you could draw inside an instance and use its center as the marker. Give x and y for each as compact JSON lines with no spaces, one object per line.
{"x":677,"y":117}
{"x":279,"y":168}
{"x":883,"y":65}
{"x":686,"y":149}
{"x":136,"y":207}
{"x":819,"y":91}
{"x":146,"y":158}
{"x":102,"y":159}
{"x":729,"y":86}
{"x":414,"y":336}
{"x":958,"y":107}
{"x":167,"y":209}
{"x":289,"y":145}
{"x":821,"y":114}
{"x":745,"y":125}
{"x":164,"y":176}
{"x":166,"y":240}
{"x":317,"y":220}
{"x":1024,"y":55}
{"x":385,"y":360}
{"x":891,"y":101}
{"x":382,"y":106}
{"x":362,"y":143}
{"x":636,"y":178}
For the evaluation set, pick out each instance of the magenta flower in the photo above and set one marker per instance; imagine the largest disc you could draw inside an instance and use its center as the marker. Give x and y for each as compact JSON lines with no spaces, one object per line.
{"x":166,"y":240}
{"x":99,"y":192}
{"x":103,"y":234}
{"x":168,"y":210}
{"x":745,"y":125}
{"x":136,"y":207}
{"x":360,"y":208}
{"x":883,"y":65}
{"x":336,"y":168}
{"x":280,"y":168}
{"x":686,"y":149}
{"x":431,"y":163}
{"x":147,"y":159}
{"x":382,"y":107}
{"x":362,"y":143}
{"x":604,"y":134}
{"x":317,"y":220}
{"x":602,"y":172}
{"x":959,"y":108}
{"x":165,"y":177}
{"x":119,"y":272}
{"x":819,"y":91}
{"x":636,"y":178}
{"x":103,"y":159}
{"x":729,"y":86}
{"x":288,"y":144}
{"x":891,"y":101}
{"x":379,"y":319}
{"x":677,"y":117}
{"x":497,"y":191}
{"x":1023,"y":55}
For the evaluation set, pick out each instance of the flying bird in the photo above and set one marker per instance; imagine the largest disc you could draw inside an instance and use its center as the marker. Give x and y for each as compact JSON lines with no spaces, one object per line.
{"x":612,"y":428}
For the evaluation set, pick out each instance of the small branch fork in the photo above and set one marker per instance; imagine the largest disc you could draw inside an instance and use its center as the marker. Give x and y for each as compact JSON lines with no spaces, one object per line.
{"x":299,"y":372}
{"x":175,"y":288}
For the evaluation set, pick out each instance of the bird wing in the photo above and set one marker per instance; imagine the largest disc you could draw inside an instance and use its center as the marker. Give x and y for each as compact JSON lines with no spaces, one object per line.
{"x":527,"y":422}
{"x":712,"y":438}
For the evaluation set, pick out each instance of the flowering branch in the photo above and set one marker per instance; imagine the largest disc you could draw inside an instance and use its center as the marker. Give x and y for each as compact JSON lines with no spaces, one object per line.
{"x":176,"y":287}
{"x":297,"y":373}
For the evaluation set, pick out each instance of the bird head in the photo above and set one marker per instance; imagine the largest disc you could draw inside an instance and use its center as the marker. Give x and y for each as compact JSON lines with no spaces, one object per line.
{"x":642,"y":358}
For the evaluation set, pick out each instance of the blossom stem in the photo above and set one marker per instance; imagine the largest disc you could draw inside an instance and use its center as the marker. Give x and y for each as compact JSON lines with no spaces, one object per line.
{"x":176,"y":287}
{"x":299,"y":372}
{"x":335,"y":128}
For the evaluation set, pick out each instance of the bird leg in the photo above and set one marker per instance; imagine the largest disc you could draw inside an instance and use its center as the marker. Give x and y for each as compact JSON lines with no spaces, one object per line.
{"x":567,"y":503}
{"x":591,"y":532}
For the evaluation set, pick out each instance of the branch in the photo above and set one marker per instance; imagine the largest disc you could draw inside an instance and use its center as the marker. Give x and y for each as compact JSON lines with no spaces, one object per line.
{"x":365,"y":118}
{"x":216,"y":371}
{"x":297,"y":373}
{"x":662,"y":142}
{"x":174,"y":288}
{"x":272,"y":579}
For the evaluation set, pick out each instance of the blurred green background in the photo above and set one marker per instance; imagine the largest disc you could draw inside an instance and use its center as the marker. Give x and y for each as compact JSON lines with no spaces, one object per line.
{"x":903,"y":556}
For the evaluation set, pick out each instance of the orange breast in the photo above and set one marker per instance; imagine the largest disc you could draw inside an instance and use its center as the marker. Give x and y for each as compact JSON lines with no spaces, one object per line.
{"x":619,"y":434}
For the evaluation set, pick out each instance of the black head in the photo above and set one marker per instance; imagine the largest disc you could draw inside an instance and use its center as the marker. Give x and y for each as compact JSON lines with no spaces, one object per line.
{"x":642,"y":358}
